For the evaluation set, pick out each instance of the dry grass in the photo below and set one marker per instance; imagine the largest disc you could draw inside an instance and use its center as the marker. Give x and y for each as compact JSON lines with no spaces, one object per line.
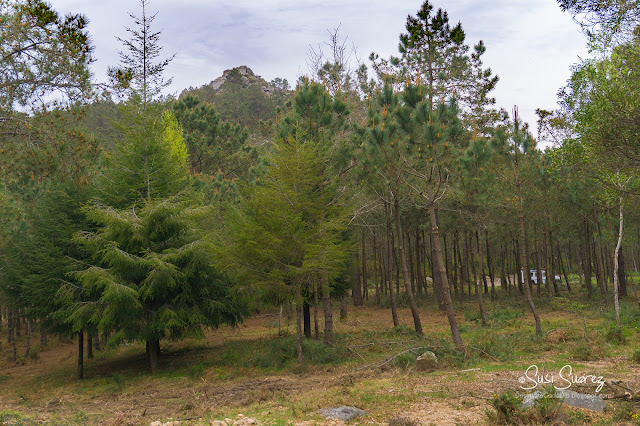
{"x":218,"y":377}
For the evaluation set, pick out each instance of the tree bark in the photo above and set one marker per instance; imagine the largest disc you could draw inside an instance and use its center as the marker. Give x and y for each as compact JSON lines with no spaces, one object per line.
{"x":483,"y":316}
{"x":587,"y":258}
{"x":525,"y":261}
{"x":405,"y":270}
{"x":299,"y":304}
{"x":306,"y":312}
{"x":616,"y":265}
{"x":440,"y":270}
{"x":328,"y":312}
{"x":357,"y":286}
{"x":394,"y":309}
{"x":81,"y":354}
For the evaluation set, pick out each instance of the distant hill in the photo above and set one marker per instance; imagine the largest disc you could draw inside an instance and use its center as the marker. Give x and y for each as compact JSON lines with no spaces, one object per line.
{"x":242,"y":96}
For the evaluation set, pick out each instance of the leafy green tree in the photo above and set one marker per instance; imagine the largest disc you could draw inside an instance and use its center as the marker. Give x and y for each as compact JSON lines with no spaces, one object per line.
{"x":217,"y":148}
{"x":151,"y":261}
{"x":41,"y":53}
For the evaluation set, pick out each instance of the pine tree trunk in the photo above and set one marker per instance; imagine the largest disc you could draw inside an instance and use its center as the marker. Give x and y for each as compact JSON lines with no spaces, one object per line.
{"x":621,"y":274}
{"x":519,"y":269}
{"x":537,"y":259}
{"x":465,"y":262}
{"x":328,"y":312}
{"x":376,"y":277}
{"x":343,"y":308}
{"x":454,"y":267}
{"x":299,"y":304}
{"x":306,"y":310}
{"x":503,"y":274}
{"x":405,"y":269}
{"x":490,"y":267}
{"x":587,"y":259}
{"x":365,"y":284}
{"x":564,"y":269}
{"x":394,"y":310}
{"x":483,"y":316}
{"x":437,"y":283}
{"x":525,"y":261}
{"x":357,"y":286}
{"x":616,"y":263}
{"x":154,"y":354}
{"x":412,"y":276}
{"x":315,"y":311}
{"x":81,"y":355}
{"x":440,"y":270}
{"x":27,"y":332}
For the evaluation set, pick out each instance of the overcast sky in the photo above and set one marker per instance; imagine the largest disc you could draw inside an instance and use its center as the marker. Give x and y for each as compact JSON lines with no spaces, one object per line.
{"x":530,"y":44}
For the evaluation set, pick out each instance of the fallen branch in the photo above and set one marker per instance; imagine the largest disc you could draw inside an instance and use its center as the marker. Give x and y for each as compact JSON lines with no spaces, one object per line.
{"x":480,"y":350}
{"x":621,"y":392}
{"x":385,"y":361}
{"x":470,"y":369}
{"x":360,"y":346}
{"x":355,"y":352}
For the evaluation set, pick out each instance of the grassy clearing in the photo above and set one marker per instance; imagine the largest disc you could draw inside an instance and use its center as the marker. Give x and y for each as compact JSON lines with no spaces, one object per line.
{"x":250,"y":370}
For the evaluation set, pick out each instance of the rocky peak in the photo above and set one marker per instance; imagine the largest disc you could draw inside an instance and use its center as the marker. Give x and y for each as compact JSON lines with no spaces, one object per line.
{"x":248,"y":77}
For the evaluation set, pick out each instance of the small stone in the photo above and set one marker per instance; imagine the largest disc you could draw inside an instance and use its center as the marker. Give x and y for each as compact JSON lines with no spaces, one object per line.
{"x":229,"y":421}
{"x":427,"y":362}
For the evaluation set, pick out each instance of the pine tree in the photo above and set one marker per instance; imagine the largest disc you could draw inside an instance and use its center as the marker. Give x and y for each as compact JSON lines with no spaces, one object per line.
{"x":151,"y":261}
{"x":141,"y":72}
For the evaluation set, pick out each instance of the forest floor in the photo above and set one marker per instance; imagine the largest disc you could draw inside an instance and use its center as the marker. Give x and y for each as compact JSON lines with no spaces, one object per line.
{"x":252,"y":371}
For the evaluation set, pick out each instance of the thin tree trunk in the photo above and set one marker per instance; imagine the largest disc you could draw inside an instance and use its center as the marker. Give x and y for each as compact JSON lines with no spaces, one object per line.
{"x":376,"y":277}
{"x":299,"y":304}
{"x":315,"y":311}
{"x":365,"y":284}
{"x":394,"y":309}
{"x":616,"y":264}
{"x":537,"y":259}
{"x":564,"y":269}
{"x":328,"y":312}
{"x":587,"y":258}
{"x":490,"y":267}
{"x":405,"y":269}
{"x":27,"y":333}
{"x":306,"y":312}
{"x":440,"y":270}
{"x":525,"y":261}
{"x":81,"y":354}
{"x":552,"y":268}
{"x":357,"y":285}
{"x":483,"y":316}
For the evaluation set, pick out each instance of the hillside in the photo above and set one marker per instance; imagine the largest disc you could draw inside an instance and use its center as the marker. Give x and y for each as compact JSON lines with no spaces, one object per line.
{"x":242,"y":96}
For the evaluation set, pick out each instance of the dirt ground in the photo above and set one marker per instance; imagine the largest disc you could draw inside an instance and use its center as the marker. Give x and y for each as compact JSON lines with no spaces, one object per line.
{"x":45,"y":390}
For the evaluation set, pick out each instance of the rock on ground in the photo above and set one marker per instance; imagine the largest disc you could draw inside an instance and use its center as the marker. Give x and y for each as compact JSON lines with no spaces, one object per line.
{"x":571,"y":398}
{"x":343,"y":413}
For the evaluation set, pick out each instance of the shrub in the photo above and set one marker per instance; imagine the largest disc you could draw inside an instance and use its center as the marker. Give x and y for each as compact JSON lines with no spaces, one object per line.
{"x":404,"y":361}
{"x":196,"y":371}
{"x":583,"y":351}
{"x":508,"y":409}
{"x":118,"y":381}
{"x":635,"y":357}
{"x":616,"y":335}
